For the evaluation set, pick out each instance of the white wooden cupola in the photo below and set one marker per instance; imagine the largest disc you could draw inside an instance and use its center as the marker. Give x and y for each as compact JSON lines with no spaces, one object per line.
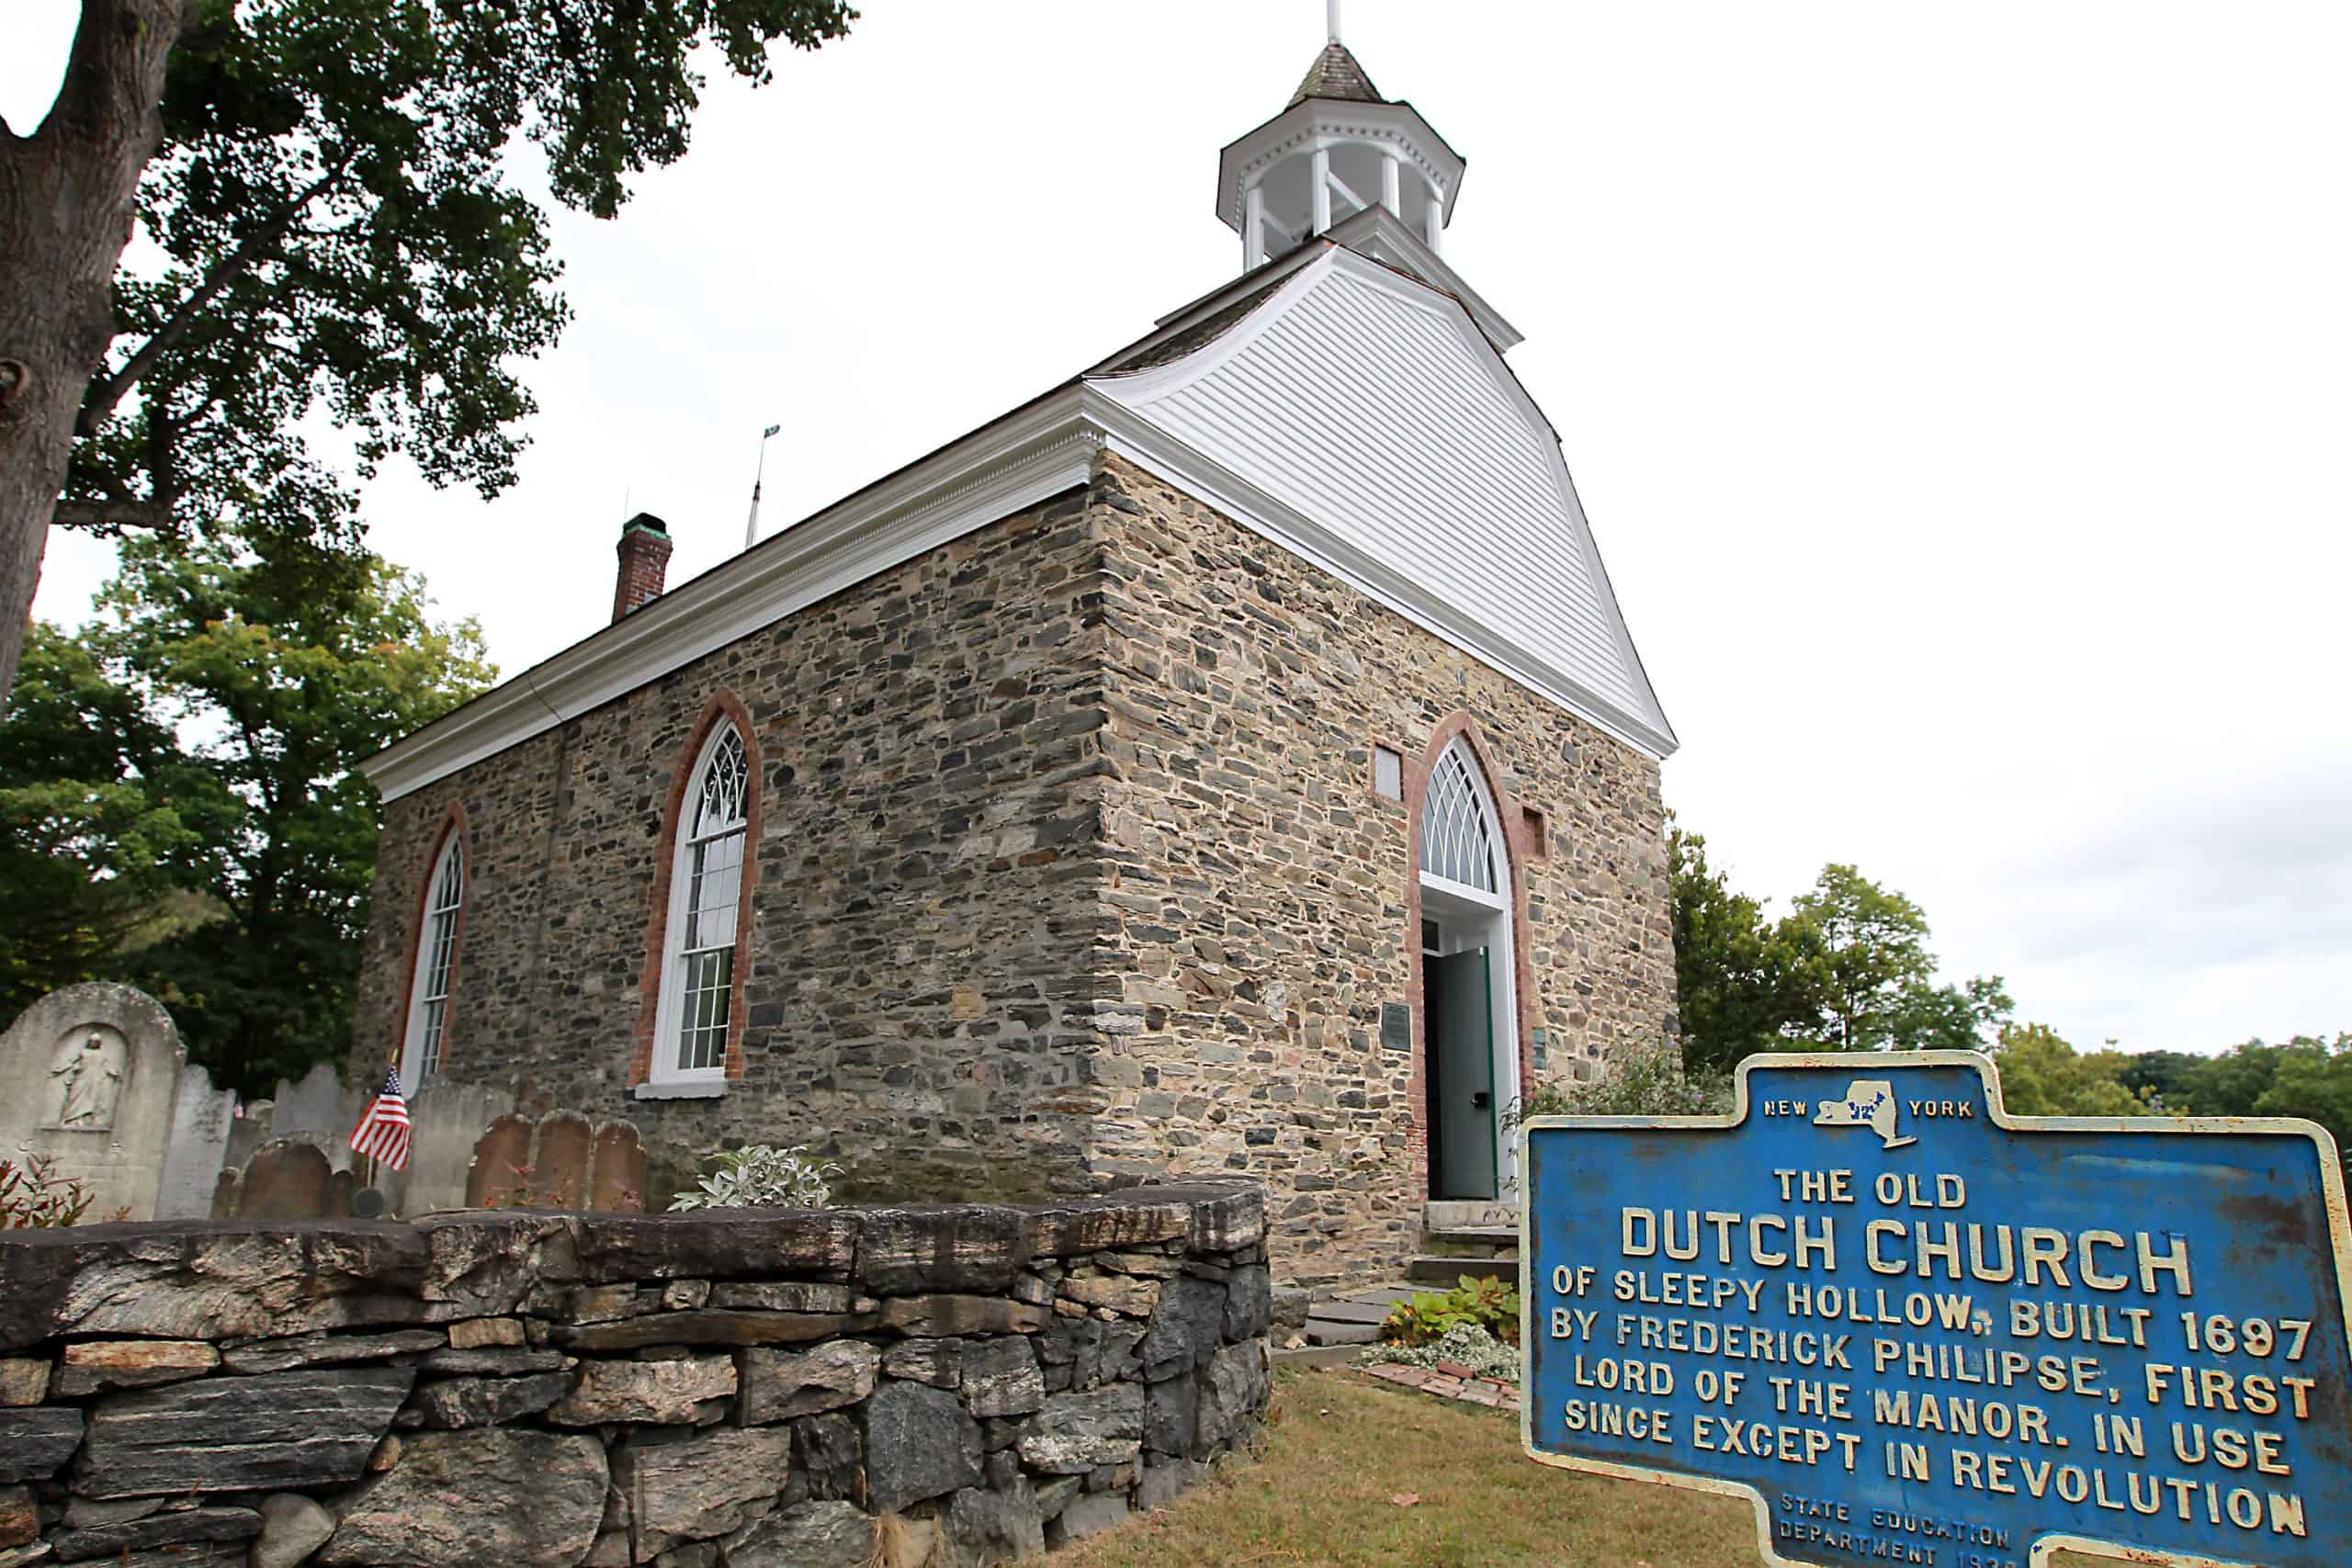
{"x":1343,"y":163}
{"x":1338,"y":149}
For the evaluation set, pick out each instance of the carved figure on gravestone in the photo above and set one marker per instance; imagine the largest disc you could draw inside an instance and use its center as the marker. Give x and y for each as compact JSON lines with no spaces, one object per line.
{"x":89,"y":1079}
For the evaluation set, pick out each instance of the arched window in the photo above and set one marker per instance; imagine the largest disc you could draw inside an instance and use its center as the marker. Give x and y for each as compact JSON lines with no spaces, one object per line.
{"x":437,"y":955}
{"x":1457,"y":837}
{"x":705,"y":899}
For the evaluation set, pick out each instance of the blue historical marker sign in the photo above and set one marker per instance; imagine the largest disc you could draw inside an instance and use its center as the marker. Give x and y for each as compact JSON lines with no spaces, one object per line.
{"x":1916,"y":1330}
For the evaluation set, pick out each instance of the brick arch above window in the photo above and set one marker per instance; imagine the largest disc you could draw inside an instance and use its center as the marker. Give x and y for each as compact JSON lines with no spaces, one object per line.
{"x":653,"y":1074}
{"x":435,"y":949}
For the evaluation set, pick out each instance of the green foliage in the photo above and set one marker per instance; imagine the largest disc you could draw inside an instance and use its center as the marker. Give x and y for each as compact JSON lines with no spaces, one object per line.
{"x":91,"y":836}
{"x":1638,"y":1083}
{"x":343,"y":230}
{"x":1488,"y":1304}
{"x":189,"y":767}
{"x":1875,"y":975}
{"x":1847,"y":969}
{"x":760,"y":1176}
{"x":2044,"y":1075}
{"x":2160,"y":1078}
{"x":1744,"y":983}
{"x":34,"y":1197}
{"x":2307,"y":1077}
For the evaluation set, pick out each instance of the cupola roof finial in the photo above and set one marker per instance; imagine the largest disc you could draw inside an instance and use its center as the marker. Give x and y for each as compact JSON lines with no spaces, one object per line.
{"x":1336,"y":74}
{"x":1332,"y":7}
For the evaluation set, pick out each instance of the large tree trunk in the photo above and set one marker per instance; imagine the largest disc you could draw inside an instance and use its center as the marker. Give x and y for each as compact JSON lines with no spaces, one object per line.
{"x":66,"y":215}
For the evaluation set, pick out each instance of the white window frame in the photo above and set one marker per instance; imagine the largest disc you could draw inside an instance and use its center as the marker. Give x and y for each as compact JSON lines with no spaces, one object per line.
{"x":665,"y":1077}
{"x":423,"y":1045}
{"x":1475,"y":834}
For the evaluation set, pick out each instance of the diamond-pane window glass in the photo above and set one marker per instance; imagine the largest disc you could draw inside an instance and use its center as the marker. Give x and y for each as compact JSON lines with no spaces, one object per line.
{"x":437,"y":952}
{"x":707,"y":893}
{"x":1457,"y":840}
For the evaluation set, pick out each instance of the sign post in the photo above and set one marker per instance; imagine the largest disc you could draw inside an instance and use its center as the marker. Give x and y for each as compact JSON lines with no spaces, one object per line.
{"x":1913,"y":1329}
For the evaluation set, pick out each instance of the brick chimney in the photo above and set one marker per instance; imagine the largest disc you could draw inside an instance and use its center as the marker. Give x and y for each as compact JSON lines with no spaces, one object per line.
{"x":645,"y":559}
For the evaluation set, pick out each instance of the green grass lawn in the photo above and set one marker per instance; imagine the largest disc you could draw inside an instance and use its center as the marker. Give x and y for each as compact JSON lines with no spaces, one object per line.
{"x":1341,"y":1450}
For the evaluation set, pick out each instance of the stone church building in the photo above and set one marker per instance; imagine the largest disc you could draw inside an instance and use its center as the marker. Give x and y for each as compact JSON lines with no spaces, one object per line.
{"x":1231,"y":762}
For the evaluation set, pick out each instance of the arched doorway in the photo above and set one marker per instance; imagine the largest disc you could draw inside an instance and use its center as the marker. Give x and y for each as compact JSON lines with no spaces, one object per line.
{"x":1469,"y":1001}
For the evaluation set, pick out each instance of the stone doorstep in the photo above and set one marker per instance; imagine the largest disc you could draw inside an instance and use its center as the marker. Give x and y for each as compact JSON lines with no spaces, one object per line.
{"x":1320,"y":1331}
{"x":1439,"y":1275}
{"x":1372,"y":1312}
{"x":1469,"y":1213}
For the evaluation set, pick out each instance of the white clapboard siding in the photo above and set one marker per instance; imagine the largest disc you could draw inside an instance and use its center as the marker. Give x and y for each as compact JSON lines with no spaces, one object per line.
{"x":1373,"y":407}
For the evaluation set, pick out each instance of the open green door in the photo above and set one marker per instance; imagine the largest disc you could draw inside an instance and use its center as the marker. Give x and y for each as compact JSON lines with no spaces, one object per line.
{"x":1457,"y":990}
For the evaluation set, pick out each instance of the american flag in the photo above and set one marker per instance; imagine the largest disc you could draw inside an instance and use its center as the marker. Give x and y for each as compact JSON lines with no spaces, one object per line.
{"x":382,"y":1133}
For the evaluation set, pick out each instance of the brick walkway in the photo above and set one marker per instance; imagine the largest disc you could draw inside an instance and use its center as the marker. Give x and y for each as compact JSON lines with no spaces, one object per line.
{"x":1448,"y":1380}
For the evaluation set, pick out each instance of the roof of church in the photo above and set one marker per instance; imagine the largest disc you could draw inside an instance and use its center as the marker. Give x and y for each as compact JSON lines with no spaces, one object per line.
{"x":1345,"y":408}
{"x":1145,"y":353}
{"x":1346,"y":399}
{"x":1336,"y":74}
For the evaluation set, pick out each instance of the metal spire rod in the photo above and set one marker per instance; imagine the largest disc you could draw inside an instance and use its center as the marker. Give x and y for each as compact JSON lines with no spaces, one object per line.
{"x":1332,"y":7}
{"x":752,"y":524}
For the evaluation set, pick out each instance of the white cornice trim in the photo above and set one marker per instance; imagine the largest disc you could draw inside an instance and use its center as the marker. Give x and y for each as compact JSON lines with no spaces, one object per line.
{"x":1031,"y":454}
{"x":1333,"y":121}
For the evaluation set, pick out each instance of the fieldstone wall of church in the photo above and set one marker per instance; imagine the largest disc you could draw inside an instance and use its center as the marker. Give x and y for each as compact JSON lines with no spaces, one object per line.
{"x":921,"y":992}
{"x":1070,"y":874}
{"x":1260,"y":890}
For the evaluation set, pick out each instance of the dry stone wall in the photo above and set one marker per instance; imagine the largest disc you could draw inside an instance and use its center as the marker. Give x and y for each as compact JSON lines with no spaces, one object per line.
{"x":736,"y":1388}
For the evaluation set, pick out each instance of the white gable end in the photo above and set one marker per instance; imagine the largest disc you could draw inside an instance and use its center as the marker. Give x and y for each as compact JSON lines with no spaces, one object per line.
{"x":1362,"y":419}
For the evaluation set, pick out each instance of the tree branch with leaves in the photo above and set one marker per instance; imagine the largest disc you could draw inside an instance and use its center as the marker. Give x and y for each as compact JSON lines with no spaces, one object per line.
{"x":328,"y":190}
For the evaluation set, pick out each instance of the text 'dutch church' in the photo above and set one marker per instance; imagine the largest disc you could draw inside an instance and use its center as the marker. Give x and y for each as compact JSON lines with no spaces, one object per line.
{"x":1232,"y":762}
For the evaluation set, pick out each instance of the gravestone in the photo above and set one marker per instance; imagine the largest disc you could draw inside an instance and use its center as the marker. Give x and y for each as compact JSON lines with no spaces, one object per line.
{"x":500,"y":1159}
{"x":313,"y":1110}
{"x":94,"y":1073}
{"x":288,"y":1181}
{"x":444,"y":1119}
{"x":202,"y":1117}
{"x":618,"y":1184}
{"x":560,"y":1160}
{"x":249,"y":1132}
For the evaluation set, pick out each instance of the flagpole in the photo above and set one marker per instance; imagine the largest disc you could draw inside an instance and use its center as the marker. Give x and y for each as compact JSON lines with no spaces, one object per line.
{"x":752,"y":524}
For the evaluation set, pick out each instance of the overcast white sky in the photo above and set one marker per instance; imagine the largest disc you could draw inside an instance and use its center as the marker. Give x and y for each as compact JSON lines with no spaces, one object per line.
{"x":1959,"y":393}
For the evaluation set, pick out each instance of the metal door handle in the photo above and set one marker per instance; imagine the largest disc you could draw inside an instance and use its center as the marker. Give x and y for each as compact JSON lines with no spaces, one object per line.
{"x":1481,"y":1101}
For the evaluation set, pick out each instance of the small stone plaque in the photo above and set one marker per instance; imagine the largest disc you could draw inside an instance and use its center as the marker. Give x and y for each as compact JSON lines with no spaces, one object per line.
{"x":1396,"y":1027}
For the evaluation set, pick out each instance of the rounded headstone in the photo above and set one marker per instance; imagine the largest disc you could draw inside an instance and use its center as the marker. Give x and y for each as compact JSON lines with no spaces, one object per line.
{"x":367,"y":1203}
